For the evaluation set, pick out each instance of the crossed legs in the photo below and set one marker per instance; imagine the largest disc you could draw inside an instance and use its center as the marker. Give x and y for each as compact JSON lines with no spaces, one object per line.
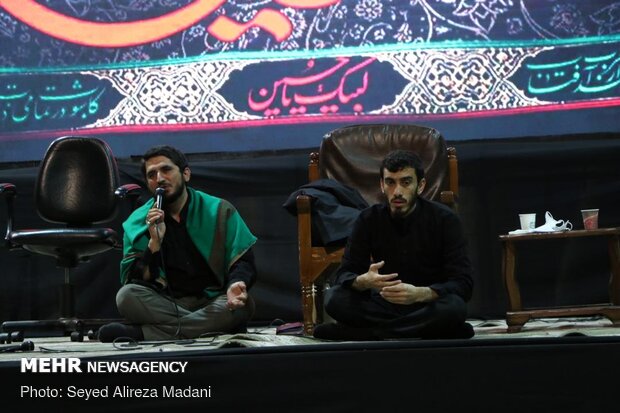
{"x":161,"y":317}
{"x":443,"y":318}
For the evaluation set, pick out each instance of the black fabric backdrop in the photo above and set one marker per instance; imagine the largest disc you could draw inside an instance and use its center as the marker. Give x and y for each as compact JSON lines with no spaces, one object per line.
{"x":498,"y":180}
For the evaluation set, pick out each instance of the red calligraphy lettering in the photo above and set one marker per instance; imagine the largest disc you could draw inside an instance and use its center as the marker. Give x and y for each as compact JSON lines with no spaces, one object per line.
{"x":100,"y":34}
{"x":123,"y":34}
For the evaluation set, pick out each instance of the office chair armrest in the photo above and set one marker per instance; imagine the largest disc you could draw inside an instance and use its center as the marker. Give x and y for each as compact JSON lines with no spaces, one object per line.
{"x":129,"y":191}
{"x":9,"y":191}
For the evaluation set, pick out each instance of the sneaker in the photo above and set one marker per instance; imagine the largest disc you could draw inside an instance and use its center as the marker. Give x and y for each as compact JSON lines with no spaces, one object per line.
{"x":119,"y":332}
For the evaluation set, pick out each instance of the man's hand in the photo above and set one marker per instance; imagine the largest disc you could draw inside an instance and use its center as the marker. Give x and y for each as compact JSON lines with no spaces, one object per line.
{"x":373,"y":280}
{"x":407,"y":294}
{"x":237,"y":295}
{"x":157,"y":228}
{"x":162,"y":282}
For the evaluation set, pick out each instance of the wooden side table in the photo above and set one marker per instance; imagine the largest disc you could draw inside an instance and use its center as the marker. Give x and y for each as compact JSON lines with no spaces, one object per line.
{"x":517,"y":316}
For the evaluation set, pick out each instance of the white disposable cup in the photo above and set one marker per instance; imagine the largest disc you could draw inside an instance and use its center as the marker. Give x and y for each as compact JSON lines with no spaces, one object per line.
{"x":528,"y":221}
{"x":590,"y":218}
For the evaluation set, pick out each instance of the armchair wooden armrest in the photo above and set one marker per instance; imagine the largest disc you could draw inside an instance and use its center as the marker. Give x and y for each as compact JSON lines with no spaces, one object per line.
{"x":314,"y":264}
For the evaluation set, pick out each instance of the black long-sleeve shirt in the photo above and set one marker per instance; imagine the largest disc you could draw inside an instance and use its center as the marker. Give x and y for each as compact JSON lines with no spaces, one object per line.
{"x":426,"y":248}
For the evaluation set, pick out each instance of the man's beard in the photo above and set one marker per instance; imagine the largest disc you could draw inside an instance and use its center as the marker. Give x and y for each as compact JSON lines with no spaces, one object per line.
{"x":399,"y":213}
{"x":403,"y":211}
{"x":175,"y":195}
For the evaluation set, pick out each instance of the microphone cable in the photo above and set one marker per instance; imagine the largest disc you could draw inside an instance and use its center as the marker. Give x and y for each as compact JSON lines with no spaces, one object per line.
{"x":168,"y":288}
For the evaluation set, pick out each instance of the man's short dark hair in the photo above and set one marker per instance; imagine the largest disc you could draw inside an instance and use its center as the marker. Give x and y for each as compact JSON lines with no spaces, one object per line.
{"x":400,"y":159}
{"x":175,"y":155}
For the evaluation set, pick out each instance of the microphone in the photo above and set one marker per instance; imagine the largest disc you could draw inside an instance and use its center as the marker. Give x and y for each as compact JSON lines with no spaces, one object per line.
{"x":159,"y":197}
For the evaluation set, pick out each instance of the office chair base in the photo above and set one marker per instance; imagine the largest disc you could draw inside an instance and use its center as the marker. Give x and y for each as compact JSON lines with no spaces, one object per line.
{"x":76,"y":328}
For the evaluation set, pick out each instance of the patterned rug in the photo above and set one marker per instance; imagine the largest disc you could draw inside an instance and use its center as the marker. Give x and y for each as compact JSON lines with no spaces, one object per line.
{"x":267,"y":337}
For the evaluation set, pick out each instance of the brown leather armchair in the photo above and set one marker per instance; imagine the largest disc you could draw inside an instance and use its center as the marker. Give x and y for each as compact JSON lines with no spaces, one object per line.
{"x":352,"y":155}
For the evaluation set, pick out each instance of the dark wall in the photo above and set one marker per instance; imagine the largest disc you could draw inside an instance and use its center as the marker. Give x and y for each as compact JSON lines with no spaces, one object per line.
{"x":498,"y":180}
{"x":561,"y":175}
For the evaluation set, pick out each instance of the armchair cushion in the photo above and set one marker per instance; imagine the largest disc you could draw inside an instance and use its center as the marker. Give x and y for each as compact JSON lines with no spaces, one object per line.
{"x":353,"y":155}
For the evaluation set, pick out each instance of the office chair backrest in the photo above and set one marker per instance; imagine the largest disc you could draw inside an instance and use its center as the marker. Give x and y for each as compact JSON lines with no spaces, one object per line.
{"x":352,"y":155}
{"x":76,"y":182}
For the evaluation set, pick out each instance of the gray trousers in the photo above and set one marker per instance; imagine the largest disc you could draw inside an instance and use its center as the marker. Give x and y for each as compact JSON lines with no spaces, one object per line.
{"x":161,"y":319}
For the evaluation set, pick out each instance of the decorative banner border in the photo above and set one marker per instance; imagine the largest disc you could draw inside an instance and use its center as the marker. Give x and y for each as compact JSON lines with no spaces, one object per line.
{"x":218,"y":93}
{"x":384,"y":84}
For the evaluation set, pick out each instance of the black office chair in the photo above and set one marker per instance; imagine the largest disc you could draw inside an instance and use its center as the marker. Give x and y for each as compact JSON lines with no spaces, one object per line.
{"x":77,"y":186}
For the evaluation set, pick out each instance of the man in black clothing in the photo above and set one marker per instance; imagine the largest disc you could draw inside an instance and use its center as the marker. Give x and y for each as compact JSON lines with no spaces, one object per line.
{"x":187,"y":266}
{"x":405,"y":272}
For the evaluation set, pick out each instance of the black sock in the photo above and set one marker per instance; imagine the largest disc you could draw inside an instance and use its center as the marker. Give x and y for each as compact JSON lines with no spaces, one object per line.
{"x":124,"y":332}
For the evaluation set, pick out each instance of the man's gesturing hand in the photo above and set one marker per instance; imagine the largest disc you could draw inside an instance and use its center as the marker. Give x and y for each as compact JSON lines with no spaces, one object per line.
{"x":373,"y":280}
{"x":237,"y":295}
